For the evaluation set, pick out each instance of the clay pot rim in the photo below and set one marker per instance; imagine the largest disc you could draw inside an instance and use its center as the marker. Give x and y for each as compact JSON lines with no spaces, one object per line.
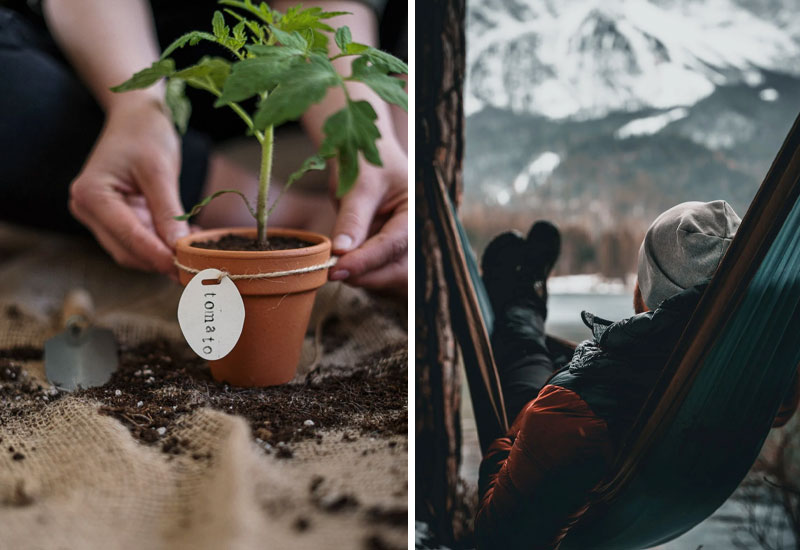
{"x":321,"y":243}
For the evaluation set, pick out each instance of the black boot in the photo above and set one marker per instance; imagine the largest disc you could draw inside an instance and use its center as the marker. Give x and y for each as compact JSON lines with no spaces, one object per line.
{"x":542,"y":248}
{"x":501,"y":264}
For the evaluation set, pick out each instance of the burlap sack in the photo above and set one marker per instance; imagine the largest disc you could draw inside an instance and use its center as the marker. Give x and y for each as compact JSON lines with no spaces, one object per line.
{"x":85,"y":482}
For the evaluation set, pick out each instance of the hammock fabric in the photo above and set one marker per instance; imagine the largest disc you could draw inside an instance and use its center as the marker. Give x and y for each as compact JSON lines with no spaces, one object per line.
{"x":706,"y":420}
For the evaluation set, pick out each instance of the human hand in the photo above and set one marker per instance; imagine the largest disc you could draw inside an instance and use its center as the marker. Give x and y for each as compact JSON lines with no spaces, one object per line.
{"x":127,"y":191}
{"x":371,"y":230}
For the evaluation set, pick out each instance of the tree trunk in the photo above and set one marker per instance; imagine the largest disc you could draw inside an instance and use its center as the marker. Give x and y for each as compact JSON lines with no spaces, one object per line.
{"x":439,"y":150}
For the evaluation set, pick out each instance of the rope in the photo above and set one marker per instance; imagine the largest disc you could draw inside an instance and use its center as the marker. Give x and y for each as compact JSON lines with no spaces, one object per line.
{"x":330,"y":263}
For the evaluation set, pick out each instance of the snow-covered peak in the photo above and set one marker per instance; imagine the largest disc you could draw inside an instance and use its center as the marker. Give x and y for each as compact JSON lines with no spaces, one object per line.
{"x":585,"y":58}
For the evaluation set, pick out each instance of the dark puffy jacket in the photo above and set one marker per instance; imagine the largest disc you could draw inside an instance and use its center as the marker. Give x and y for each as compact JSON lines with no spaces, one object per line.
{"x":535,"y":481}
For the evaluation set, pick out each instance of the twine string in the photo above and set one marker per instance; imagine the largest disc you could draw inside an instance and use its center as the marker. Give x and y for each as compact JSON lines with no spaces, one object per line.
{"x":271,"y":275}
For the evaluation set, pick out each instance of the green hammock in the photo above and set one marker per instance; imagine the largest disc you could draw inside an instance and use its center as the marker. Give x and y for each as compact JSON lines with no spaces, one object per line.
{"x":705,"y":422}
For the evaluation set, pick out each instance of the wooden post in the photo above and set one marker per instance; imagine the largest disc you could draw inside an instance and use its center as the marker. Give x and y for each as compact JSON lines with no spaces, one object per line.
{"x":440,"y":67}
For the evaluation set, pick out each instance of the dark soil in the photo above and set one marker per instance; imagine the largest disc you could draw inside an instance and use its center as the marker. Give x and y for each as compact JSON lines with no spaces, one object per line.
{"x":159,"y":382}
{"x":237,"y":242}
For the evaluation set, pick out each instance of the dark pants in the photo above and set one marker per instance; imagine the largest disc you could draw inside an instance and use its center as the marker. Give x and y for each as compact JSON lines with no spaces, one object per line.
{"x":520,"y":351}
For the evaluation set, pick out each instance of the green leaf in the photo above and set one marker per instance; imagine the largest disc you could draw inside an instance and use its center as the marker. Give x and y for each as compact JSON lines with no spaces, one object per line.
{"x":389,"y":88}
{"x":354,"y":48}
{"x":178,"y":103}
{"x":255,"y":28}
{"x":263,"y":11}
{"x":329,"y":14}
{"x":221,"y":30}
{"x":199,"y":206}
{"x":239,"y":34}
{"x":385,"y":61}
{"x":209,"y":69}
{"x":347,"y":132}
{"x":147,"y":77}
{"x":292,"y":40}
{"x":257,"y":75}
{"x":190,"y":38}
{"x":299,"y":89}
{"x":315,"y":162}
{"x":270,"y":50}
{"x":343,"y":38}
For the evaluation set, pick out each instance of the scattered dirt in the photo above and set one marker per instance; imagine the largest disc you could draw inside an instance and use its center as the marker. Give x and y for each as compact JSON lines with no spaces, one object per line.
{"x":301,"y":524}
{"x":22,"y":353}
{"x":159,"y":382}
{"x":237,"y":242}
{"x":19,"y":498}
{"x":396,"y":516}
{"x":377,"y":542}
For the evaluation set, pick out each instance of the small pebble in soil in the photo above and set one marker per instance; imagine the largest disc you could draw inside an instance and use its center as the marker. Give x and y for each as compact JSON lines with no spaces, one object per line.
{"x":139,"y":403}
{"x":284,"y":452}
{"x":301,"y":524}
{"x":117,"y":393}
{"x":161,"y":431}
{"x":308,"y":423}
{"x":376,"y":542}
{"x":18,"y":456}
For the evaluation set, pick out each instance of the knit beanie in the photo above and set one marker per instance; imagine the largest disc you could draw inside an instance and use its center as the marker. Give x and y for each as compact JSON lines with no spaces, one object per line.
{"x":684,"y":247}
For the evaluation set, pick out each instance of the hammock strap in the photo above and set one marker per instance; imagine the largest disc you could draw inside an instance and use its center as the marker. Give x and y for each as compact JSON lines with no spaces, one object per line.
{"x":468,"y":323}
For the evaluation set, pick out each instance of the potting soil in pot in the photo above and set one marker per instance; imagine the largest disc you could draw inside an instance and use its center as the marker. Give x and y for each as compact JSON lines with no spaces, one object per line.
{"x":237,"y":242}
{"x":164,"y":457}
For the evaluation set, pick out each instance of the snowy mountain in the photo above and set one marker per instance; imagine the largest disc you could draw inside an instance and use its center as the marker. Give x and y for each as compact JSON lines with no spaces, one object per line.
{"x":584,"y":59}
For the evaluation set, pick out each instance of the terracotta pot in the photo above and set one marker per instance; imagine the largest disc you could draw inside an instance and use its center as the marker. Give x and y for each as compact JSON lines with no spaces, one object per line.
{"x":277,"y":310}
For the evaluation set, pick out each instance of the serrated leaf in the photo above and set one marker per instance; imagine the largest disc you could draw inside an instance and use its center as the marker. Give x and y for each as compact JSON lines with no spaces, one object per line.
{"x":319,"y":42}
{"x":329,"y":14}
{"x":199,"y":206}
{"x":178,"y":103}
{"x":385,"y":61}
{"x":300,"y":88}
{"x":255,"y":28}
{"x":343,"y":38}
{"x":291,"y":39}
{"x":212,"y":69}
{"x":257,"y":75}
{"x":268,"y":51}
{"x":389,"y":88}
{"x":239,"y":33}
{"x":221,"y":30}
{"x":147,"y":77}
{"x":315,"y":162}
{"x":190,"y":38}
{"x":348,"y":132}
{"x":262,"y":11}
{"x":354,"y":48}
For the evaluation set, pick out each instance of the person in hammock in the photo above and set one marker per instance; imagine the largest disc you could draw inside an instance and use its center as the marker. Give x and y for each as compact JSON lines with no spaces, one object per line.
{"x":567,"y":427}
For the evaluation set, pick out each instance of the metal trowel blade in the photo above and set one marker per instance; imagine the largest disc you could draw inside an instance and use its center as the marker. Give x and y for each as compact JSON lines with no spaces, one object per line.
{"x":80,"y":358}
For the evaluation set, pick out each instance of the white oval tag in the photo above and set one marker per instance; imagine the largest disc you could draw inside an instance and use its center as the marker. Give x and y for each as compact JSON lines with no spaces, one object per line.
{"x":211,"y":315}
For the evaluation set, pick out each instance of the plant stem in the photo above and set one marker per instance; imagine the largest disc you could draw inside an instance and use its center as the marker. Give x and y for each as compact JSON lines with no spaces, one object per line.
{"x":264,"y":177}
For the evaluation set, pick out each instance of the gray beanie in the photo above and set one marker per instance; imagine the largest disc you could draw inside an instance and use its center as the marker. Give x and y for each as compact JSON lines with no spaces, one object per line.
{"x":683,"y":247}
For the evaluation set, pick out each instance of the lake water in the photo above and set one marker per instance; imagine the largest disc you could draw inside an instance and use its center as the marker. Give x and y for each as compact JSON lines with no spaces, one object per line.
{"x":727,"y":528}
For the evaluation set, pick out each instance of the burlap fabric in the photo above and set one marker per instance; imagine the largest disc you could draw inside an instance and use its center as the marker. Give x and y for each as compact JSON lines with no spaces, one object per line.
{"x":86,"y":483}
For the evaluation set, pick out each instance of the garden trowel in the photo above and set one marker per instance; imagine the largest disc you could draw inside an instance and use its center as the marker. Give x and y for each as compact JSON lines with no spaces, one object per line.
{"x":82,"y":355}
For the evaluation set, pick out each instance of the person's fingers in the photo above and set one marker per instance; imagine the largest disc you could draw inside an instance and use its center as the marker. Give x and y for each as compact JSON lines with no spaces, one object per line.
{"x":391,"y":278}
{"x":387,"y":246}
{"x":159,"y":185}
{"x":356,"y":211}
{"x":118,"y":229}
